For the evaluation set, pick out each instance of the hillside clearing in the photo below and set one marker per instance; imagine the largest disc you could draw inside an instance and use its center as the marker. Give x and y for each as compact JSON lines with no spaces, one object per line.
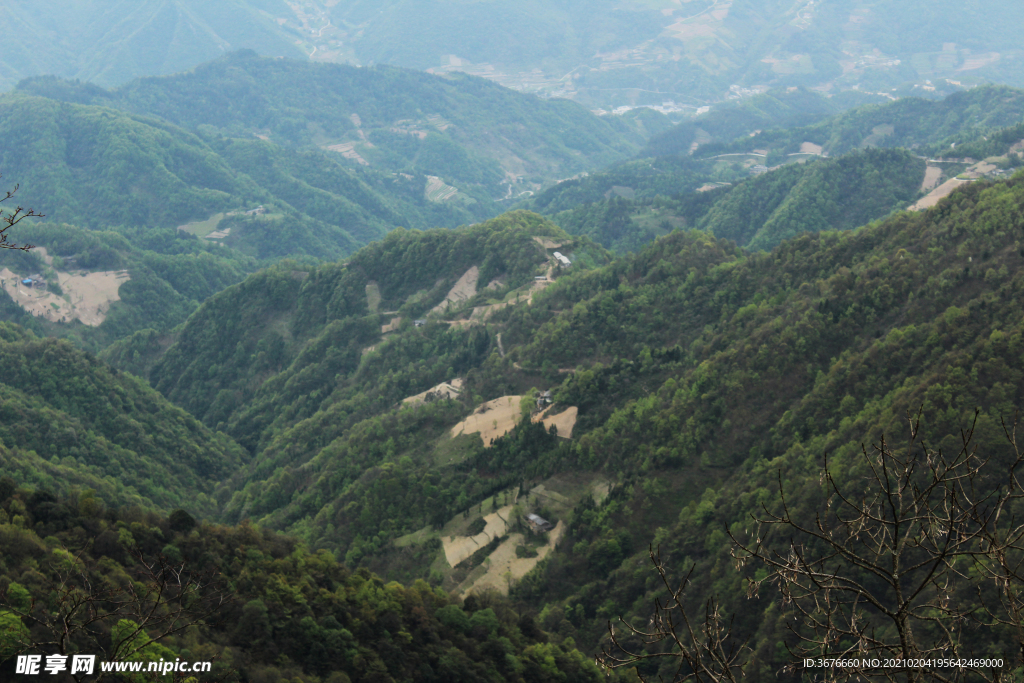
{"x":563,"y":421}
{"x":931,"y":178}
{"x":458,"y":548}
{"x":437,"y":190}
{"x":491,"y":420}
{"x":87,"y":296}
{"x":504,"y":568}
{"x":441,"y":391}
{"x":461,"y":291}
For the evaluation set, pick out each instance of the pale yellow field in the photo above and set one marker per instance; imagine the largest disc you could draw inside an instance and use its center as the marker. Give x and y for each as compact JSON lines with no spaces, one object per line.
{"x":491,"y":420}
{"x":459,"y":548}
{"x":810,"y":148}
{"x":547,"y":243}
{"x":563,"y":421}
{"x":87,"y":297}
{"x":931,"y":178}
{"x":940,"y":192}
{"x":504,"y":568}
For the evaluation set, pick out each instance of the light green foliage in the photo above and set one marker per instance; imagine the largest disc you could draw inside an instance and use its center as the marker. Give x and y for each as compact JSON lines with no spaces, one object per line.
{"x":13,"y":634}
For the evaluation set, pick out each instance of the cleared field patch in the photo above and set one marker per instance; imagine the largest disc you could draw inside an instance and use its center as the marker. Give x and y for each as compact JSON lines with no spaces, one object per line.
{"x":504,"y":568}
{"x":810,"y":148}
{"x":348,"y":150}
{"x":391,"y":326}
{"x":462,"y":290}
{"x":712,"y":186}
{"x":87,"y":296}
{"x":547,"y":243}
{"x":437,"y":190}
{"x":372,"y":297}
{"x":203,"y":228}
{"x":563,"y":422}
{"x":878,"y":134}
{"x":940,"y":192}
{"x":441,"y":391}
{"x":458,"y":548}
{"x":931,"y":178}
{"x":491,"y":420}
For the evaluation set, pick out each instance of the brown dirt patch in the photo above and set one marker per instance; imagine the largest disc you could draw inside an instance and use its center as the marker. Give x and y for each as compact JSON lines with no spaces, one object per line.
{"x":491,"y":420}
{"x":87,"y":296}
{"x":931,"y":178}
{"x":442,"y":390}
{"x":504,"y":567}
{"x":563,"y":421}
{"x":391,"y":326}
{"x":809,"y":148}
{"x":939,"y":193}
{"x":461,"y":291}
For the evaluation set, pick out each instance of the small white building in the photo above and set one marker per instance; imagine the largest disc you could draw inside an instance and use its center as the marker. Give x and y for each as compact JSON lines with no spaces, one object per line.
{"x":561,"y":259}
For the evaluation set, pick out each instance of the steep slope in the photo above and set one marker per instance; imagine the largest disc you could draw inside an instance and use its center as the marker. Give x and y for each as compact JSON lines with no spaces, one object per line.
{"x":69,"y":420}
{"x":692,"y":371}
{"x":836,"y":193}
{"x":289,"y":613}
{"x":102,"y":285}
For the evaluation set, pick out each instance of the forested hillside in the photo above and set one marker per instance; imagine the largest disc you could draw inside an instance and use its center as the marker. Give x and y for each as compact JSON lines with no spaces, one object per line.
{"x":461,"y":128}
{"x":910,"y":122}
{"x":72,"y":421}
{"x":837,"y":193}
{"x":101,"y":168}
{"x":393,"y":407}
{"x":288,"y":613}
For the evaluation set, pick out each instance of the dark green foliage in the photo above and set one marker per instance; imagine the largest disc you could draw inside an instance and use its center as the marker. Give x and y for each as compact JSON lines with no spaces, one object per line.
{"x":181,"y":521}
{"x":69,"y":419}
{"x":294,"y":614}
{"x":837,"y":194}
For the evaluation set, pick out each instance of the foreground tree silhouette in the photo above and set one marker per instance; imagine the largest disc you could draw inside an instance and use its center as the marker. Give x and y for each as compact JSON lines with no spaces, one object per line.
{"x":8,"y":219}
{"x":918,"y":561}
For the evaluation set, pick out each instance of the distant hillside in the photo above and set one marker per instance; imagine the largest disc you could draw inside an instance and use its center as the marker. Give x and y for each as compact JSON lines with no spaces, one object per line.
{"x":909,"y":122}
{"x":111,"y":43}
{"x":777,"y":109}
{"x":463,"y":129}
{"x":600,"y":53}
{"x":646,"y":199}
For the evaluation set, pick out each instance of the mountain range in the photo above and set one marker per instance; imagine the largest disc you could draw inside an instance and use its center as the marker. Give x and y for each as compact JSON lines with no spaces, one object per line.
{"x":239,"y":349}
